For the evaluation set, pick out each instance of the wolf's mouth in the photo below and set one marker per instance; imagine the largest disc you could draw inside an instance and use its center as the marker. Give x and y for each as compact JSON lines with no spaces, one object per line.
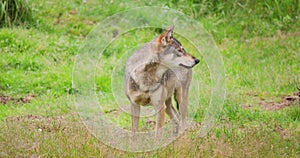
{"x":188,"y":67}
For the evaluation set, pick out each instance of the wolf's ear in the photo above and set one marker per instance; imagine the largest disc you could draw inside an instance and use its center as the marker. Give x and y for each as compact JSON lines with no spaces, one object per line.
{"x":165,"y":37}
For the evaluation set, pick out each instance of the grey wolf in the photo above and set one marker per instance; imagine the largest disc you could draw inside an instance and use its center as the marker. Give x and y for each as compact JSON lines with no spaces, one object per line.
{"x":153,"y":74}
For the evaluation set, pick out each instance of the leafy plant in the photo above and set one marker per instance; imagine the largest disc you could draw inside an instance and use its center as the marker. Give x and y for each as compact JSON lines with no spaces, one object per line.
{"x":15,"y":12}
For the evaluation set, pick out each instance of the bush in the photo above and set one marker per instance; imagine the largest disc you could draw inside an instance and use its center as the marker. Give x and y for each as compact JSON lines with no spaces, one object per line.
{"x":15,"y":12}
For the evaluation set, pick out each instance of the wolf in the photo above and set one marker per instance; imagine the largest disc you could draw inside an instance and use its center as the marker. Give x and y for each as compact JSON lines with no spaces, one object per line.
{"x":154,"y":74}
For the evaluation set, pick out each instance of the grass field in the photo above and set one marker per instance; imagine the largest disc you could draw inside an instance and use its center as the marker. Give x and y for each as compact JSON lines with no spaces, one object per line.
{"x":260,"y":45}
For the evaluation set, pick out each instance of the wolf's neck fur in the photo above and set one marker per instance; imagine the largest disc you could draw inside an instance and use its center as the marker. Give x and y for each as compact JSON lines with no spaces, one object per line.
{"x":149,"y":76}
{"x":155,"y":71}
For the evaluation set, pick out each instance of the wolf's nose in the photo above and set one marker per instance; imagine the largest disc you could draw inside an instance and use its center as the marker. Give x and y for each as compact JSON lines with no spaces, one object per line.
{"x":197,"y":61}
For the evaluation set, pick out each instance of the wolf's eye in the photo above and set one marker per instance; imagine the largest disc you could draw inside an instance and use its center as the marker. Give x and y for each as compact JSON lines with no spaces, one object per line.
{"x":179,"y":53}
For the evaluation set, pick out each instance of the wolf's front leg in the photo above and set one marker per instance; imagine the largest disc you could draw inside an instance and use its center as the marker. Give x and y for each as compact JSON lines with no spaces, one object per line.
{"x":158,"y":99}
{"x":183,"y":108}
{"x":170,"y":110}
{"x":160,"y":120}
{"x":135,"y":115}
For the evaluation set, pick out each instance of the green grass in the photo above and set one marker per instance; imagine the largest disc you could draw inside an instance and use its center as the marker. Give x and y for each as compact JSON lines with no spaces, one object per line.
{"x":15,"y":12}
{"x":260,"y":44}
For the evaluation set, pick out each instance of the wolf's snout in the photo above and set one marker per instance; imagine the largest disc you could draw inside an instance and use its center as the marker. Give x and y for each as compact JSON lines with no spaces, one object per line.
{"x":197,"y":61}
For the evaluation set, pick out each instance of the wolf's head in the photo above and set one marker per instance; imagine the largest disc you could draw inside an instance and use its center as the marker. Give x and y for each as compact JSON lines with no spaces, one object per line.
{"x":171,"y":53}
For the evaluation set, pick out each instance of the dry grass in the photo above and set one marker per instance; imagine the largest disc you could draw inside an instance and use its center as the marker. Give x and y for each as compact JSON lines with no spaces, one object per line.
{"x":65,"y":136}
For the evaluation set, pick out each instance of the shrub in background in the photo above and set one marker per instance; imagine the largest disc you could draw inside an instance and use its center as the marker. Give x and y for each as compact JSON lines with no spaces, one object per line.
{"x":15,"y":12}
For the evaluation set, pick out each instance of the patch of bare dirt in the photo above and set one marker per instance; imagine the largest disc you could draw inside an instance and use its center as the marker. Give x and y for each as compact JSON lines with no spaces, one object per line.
{"x":5,"y":99}
{"x":285,"y":102}
{"x":247,"y":106}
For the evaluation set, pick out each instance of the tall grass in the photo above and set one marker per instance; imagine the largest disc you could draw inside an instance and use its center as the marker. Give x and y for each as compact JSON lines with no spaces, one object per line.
{"x":15,"y":12}
{"x":244,"y":18}
{"x":267,"y":9}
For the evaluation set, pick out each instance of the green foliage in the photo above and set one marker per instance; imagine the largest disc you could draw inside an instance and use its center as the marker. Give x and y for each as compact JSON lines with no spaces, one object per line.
{"x":15,"y":12}
{"x":244,"y":18}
